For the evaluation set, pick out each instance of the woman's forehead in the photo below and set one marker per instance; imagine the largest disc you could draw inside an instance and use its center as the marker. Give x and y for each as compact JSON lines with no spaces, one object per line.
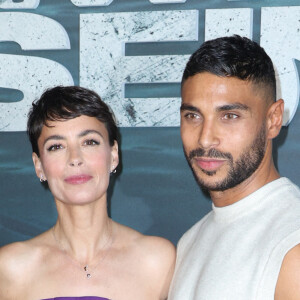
{"x":74,"y":127}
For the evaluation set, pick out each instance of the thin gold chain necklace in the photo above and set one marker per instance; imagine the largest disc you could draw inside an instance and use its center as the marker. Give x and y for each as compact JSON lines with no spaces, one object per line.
{"x":85,"y":268}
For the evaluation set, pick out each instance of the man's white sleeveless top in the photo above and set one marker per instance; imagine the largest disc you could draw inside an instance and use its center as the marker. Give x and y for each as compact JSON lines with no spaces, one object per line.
{"x":235,"y":252}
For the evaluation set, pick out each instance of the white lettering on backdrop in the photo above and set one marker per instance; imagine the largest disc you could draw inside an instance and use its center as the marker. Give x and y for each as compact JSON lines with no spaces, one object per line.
{"x":226,"y":22}
{"x":25,"y":4}
{"x":105,"y":68}
{"x":29,"y":74}
{"x":280,"y":37}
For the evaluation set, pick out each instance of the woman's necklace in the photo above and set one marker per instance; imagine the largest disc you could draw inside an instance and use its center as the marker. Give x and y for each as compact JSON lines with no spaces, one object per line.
{"x":86,"y":268}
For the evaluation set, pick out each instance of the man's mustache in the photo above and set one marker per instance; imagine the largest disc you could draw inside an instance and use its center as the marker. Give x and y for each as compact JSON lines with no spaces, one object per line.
{"x":211,"y":153}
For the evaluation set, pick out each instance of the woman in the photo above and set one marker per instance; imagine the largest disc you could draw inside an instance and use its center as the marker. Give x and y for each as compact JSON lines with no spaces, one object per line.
{"x":75,"y":149}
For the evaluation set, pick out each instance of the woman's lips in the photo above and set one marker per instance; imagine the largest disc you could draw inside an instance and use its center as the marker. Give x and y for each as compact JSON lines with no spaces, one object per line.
{"x":209,"y":164}
{"x":78,"y":179}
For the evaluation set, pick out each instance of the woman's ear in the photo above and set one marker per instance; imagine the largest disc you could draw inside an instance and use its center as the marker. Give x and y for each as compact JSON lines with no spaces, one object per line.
{"x":274,"y":118}
{"x":114,"y":156}
{"x":38,"y":167}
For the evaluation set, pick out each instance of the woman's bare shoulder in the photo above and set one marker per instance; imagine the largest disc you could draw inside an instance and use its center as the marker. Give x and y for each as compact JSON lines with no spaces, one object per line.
{"x":13,"y":261}
{"x":148,"y":245}
{"x":14,"y":255}
{"x":154,"y":257}
{"x":17,"y":260}
{"x":19,"y":263}
{"x":157,"y":248}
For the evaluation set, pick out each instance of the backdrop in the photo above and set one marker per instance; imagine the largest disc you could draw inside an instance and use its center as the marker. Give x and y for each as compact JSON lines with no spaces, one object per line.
{"x":132,"y":52}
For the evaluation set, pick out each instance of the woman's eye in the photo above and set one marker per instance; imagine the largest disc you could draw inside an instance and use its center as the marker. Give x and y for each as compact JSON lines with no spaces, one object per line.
{"x":91,"y":142}
{"x":230,"y":116}
{"x":55,"y":147}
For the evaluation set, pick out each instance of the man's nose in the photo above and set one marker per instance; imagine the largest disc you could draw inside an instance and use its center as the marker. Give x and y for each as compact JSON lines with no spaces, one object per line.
{"x":208,"y":137}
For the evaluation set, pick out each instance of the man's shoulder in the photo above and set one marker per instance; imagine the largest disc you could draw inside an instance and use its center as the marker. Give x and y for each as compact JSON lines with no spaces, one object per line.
{"x":287,"y":196}
{"x":282,"y":190}
{"x":191,"y":234}
{"x":286,"y":185}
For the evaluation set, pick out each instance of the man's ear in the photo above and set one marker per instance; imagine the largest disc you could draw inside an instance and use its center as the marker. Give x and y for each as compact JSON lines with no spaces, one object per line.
{"x":274,"y":118}
{"x":38,"y":167}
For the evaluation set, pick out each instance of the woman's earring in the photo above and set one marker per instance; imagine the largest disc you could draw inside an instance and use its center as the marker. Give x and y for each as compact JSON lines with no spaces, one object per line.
{"x":113,"y":170}
{"x":42,"y":178}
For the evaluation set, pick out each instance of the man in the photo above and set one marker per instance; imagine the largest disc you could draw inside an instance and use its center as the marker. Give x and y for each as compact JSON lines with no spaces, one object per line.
{"x":247,"y":247}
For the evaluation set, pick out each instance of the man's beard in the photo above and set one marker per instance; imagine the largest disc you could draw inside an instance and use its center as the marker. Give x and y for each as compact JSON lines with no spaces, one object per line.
{"x":240,"y":170}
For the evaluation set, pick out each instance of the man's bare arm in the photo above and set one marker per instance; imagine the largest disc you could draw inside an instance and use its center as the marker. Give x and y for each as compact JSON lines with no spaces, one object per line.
{"x":288,"y":284}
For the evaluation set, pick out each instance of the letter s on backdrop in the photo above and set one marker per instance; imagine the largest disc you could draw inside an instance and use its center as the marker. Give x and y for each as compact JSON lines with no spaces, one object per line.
{"x":29,"y":74}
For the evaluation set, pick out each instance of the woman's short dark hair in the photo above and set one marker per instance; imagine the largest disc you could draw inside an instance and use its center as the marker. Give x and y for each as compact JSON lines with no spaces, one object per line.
{"x":68,"y":102}
{"x":234,"y":56}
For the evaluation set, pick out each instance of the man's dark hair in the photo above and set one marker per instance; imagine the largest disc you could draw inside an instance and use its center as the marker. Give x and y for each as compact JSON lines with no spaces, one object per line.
{"x":62,"y":103}
{"x":234,"y":56}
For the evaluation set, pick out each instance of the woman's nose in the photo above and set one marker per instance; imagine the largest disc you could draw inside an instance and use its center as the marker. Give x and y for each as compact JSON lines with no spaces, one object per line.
{"x":75,"y":158}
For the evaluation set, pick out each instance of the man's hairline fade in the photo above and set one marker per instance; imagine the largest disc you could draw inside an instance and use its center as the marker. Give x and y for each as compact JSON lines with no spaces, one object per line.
{"x":259,"y":87}
{"x":225,"y":66}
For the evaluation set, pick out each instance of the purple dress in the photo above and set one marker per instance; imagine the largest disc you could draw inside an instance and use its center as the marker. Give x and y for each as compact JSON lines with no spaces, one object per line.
{"x":78,"y":298}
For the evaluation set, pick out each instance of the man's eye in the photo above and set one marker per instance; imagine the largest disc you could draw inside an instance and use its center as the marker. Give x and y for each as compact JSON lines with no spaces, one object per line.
{"x":91,"y":142}
{"x":191,"y":116}
{"x":55,"y":147}
{"x":230,"y":116}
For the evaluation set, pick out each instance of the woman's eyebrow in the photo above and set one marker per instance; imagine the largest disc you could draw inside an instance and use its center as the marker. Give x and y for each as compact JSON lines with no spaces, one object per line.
{"x":53,"y":137}
{"x":81,"y":134}
{"x":88,"y":131}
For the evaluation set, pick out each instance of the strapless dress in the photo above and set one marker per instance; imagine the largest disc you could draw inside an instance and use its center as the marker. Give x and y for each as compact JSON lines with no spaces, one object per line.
{"x":78,"y":298}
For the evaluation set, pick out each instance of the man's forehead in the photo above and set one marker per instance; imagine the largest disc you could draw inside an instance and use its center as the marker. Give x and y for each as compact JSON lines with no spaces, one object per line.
{"x":206,"y":80}
{"x":209,"y":89}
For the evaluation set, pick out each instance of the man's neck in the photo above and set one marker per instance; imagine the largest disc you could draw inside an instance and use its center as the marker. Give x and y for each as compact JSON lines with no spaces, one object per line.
{"x":257,"y":180}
